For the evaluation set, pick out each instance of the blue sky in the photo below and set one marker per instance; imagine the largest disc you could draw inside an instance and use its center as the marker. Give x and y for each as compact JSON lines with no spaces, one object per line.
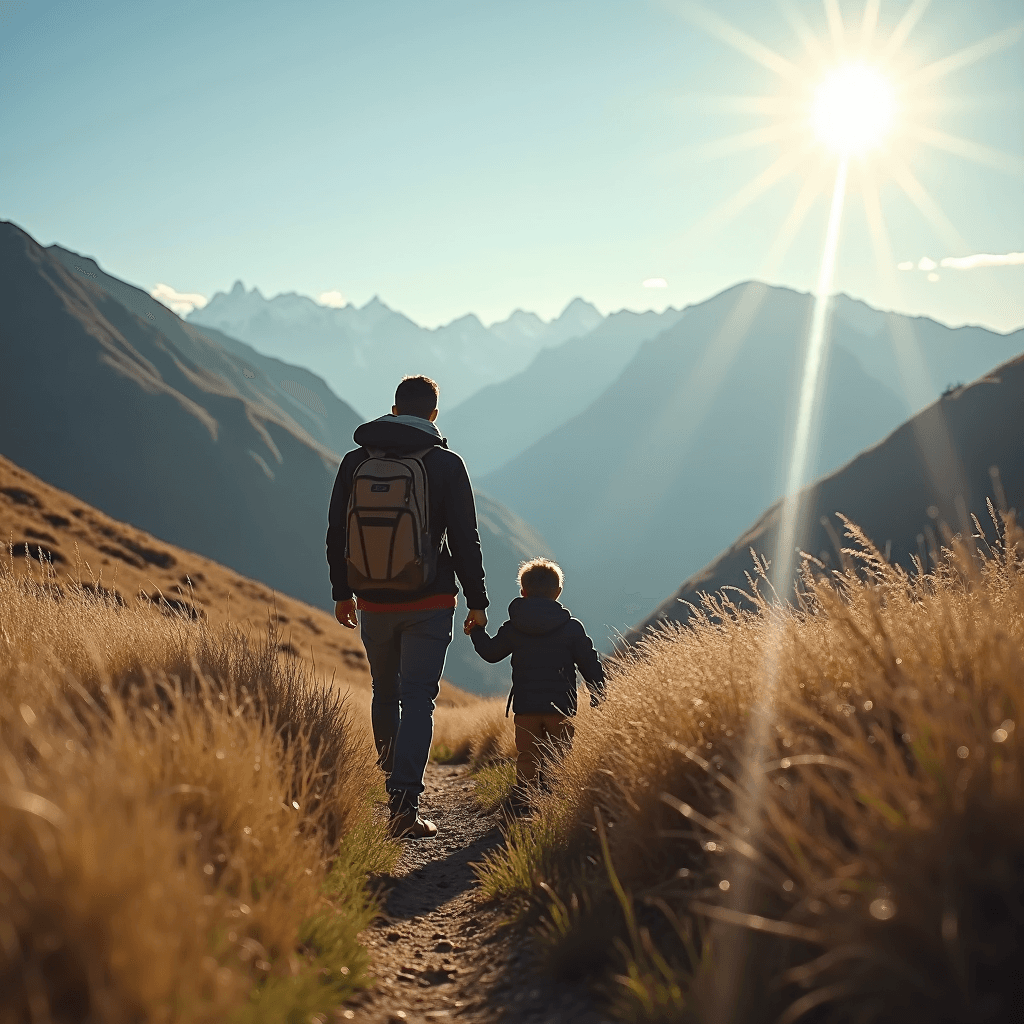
{"x":457,"y":156}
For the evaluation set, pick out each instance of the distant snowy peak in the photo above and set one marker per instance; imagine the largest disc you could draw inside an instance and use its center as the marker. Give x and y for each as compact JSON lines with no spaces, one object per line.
{"x":520,"y":326}
{"x":577,"y":319}
{"x":240,"y":305}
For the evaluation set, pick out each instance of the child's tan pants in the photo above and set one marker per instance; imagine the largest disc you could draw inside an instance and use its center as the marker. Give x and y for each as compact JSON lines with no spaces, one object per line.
{"x":535,"y":736}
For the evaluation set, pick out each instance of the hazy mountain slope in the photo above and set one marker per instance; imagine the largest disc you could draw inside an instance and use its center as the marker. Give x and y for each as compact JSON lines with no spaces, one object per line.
{"x":98,"y":402}
{"x":919,"y":357}
{"x":363,"y":353}
{"x":295,"y":393}
{"x":933,"y":470}
{"x":680,"y":452}
{"x":504,"y":419}
{"x":117,"y":401}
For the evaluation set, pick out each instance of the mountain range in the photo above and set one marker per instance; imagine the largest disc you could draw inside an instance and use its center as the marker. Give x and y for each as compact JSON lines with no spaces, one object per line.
{"x":690,"y":443}
{"x":191,"y":436}
{"x":634,"y":448}
{"x":907,"y":494}
{"x":504,"y":419}
{"x":362,"y":352}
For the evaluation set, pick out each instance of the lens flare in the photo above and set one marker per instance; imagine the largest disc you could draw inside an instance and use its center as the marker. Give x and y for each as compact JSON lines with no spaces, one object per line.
{"x":853,"y":109}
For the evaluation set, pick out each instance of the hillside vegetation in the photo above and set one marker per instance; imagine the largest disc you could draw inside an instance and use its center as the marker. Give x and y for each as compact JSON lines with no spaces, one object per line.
{"x":185,"y":817}
{"x":811,"y":813}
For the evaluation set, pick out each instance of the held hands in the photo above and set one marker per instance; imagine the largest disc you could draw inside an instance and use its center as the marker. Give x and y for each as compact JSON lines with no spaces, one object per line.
{"x":476,"y":617}
{"x":345,"y":613}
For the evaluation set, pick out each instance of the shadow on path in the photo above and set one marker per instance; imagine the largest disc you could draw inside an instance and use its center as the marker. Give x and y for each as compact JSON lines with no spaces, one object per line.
{"x":435,"y":882}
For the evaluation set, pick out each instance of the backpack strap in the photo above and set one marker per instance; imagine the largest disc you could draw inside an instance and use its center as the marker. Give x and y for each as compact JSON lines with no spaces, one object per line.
{"x":384,"y":453}
{"x":509,"y":704}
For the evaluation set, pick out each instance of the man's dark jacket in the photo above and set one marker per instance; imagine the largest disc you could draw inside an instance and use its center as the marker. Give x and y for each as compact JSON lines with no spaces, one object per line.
{"x":452,"y":512}
{"x":547,"y":646}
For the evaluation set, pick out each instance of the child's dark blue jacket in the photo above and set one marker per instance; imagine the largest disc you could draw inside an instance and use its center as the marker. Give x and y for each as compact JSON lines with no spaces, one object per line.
{"x":547,"y":646}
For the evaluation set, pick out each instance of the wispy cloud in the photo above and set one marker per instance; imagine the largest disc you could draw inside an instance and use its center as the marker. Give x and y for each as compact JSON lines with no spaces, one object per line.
{"x":973,"y":262}
{"x":181,"y":303}
{"x":333,"y":298}
{"x":984,"y":259}
{"x":655,"y":282}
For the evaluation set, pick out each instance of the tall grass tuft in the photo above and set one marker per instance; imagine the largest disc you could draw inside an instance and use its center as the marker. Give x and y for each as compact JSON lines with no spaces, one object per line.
{"x":478,"y":734}
{"x":185,"y":824}
{"x":864,"y":862}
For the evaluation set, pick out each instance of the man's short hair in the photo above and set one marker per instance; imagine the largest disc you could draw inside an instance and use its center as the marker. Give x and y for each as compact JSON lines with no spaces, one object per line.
{"x":540,"y":577}
{"x":416,"y":396}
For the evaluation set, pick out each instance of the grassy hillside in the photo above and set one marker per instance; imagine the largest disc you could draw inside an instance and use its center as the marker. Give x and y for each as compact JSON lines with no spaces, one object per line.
{"x":810,"y":814}
{"x":130,"y":424}
{"x":123,"y":563}
{"x":185,"y":818}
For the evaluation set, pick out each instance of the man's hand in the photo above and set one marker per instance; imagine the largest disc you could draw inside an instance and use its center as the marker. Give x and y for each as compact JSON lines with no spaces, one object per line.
{"x":345,"y":613}
{"x":476,"y":617}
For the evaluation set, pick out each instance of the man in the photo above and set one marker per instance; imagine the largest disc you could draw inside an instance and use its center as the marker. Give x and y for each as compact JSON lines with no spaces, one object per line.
{"x":406,"y":633}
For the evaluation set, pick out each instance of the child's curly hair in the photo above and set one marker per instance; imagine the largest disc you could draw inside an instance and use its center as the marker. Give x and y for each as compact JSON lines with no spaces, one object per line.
{"x":540,"y":577}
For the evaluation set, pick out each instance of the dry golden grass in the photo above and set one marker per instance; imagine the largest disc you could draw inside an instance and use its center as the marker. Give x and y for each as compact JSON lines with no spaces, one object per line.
{"x":122,"y":561}
{"x":185,"y":818}
{"x":837,"y":839}
{"x":477,"y":734}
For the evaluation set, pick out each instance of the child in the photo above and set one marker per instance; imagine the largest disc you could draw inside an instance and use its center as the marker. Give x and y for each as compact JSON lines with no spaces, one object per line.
{"x":547,"y":645}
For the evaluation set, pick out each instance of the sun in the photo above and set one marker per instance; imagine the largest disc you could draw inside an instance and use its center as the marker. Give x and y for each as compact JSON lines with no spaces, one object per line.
{"x":853,"y":109}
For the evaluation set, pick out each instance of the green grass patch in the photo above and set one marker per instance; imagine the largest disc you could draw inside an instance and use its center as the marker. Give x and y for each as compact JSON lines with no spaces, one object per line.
{"x":494,"y":784}
{"x":532,"y":847}
{"x":441,"y":753}
{"x":331,"y":964}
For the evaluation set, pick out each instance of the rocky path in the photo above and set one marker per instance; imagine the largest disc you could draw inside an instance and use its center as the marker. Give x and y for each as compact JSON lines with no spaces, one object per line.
{"x":439,"y":952}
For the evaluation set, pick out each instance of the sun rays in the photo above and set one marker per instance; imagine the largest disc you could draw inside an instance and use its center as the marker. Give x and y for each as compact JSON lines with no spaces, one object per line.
{"x":880,"y":63}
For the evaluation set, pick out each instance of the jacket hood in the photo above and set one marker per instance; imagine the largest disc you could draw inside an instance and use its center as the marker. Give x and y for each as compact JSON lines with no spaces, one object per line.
{"x":537,"y":615}
{"x":391,"y":431}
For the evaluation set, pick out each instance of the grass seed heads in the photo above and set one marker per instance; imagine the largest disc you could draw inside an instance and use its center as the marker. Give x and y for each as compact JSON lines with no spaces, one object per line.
{"x":817,"y":808}
{"x":184,"y":818}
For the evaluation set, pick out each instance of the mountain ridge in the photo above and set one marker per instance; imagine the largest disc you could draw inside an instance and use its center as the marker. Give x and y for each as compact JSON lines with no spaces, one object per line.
{"x":362,"y":351}
{"x":692,"y":436}
{"x":931,"y":473}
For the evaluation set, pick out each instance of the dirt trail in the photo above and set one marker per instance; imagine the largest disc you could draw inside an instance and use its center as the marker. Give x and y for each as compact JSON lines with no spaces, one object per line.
{"x":439,"y":952}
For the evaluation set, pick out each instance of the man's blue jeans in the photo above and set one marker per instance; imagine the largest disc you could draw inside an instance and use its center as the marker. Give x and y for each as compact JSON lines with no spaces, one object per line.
{"x":406,"y":651}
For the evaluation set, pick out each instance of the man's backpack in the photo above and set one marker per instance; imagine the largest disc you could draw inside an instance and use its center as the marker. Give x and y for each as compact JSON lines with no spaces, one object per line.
{"x":388,"y":536}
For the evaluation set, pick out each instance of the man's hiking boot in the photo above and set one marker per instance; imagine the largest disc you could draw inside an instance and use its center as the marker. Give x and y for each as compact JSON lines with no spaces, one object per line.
{"x":409,"y":825}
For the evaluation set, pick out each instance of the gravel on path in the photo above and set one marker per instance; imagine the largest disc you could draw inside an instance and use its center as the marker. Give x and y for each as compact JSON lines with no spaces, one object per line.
{"x":439,"y":952}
